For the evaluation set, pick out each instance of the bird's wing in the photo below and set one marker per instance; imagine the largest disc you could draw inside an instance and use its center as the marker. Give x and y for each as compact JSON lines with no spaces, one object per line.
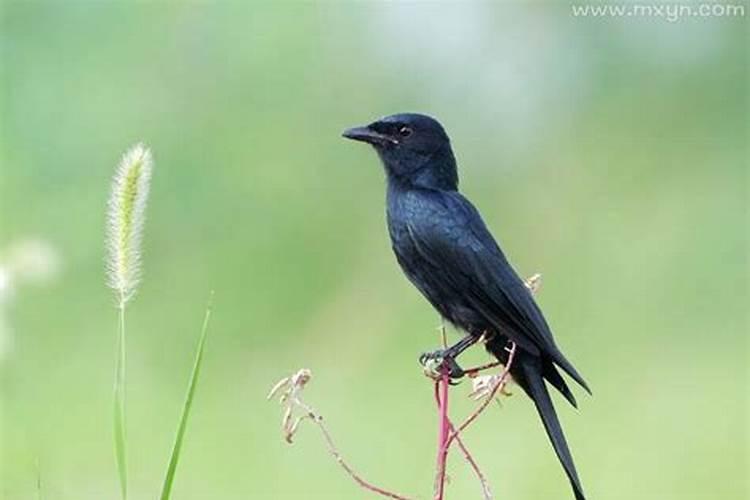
{"x":451,"y":235}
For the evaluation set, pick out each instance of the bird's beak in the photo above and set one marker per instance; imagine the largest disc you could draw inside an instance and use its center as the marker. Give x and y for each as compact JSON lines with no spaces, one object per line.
{"x":366,"y":134}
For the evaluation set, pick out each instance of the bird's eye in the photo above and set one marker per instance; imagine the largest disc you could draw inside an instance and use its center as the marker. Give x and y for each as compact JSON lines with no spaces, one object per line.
{"x":404,"y":131}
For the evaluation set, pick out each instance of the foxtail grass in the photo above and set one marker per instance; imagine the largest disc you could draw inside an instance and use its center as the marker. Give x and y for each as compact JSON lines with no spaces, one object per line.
{"x":125,"y":220}
{"x":177,"y":446}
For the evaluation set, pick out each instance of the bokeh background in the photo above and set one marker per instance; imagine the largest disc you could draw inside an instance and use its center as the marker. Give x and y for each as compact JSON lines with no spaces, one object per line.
{"x":608,"y":154}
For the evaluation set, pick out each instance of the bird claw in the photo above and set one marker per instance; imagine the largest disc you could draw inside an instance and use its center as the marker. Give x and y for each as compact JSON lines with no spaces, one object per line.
{"x":435,"y":364}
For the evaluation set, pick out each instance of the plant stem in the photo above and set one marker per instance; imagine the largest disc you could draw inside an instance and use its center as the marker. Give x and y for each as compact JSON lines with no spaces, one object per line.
{"x":445,"y":428}
{"x":119,"y":405}
{"x":467,"y":454}
{"x":347,"y":468}
{"x":500,"y":383}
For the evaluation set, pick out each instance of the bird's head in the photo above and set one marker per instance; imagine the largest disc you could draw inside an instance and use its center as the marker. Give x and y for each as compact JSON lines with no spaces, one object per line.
{"x":414,"y":148}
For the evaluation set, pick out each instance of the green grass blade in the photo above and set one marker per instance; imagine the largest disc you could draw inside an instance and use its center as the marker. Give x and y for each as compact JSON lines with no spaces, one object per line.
{"x":38,"y":479}
{"x":169,"y":478}
{"x":119,"y":407}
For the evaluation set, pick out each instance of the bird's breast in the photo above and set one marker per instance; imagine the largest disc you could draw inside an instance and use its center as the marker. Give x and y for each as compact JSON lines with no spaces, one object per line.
{"x":435,"y":283}
{"x":402,"y":210}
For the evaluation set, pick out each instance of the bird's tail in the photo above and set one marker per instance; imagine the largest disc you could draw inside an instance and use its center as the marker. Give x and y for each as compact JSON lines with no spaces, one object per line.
{"x":529,"y":373}
{"x":531,"y":381}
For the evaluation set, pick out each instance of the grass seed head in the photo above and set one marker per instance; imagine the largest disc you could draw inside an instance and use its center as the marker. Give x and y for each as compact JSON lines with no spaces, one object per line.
{"x":125,"y":220}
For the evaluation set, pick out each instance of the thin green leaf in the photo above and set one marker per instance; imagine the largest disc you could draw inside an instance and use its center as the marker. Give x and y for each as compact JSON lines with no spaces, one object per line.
{"x":173,"y":459}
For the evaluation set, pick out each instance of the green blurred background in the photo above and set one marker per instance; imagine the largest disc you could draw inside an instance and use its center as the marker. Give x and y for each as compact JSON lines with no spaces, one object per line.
{"x":608,"y":154}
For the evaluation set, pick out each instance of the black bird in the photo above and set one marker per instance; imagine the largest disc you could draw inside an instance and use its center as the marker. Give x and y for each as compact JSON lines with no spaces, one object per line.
{"x":447,"y":252}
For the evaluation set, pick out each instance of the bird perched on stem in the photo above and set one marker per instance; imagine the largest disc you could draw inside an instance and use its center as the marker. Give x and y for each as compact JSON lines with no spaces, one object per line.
{"x":447,"y":252}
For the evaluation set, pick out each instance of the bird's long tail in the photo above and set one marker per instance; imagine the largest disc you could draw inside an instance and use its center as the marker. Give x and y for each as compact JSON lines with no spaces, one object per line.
{"x":532,"y":382}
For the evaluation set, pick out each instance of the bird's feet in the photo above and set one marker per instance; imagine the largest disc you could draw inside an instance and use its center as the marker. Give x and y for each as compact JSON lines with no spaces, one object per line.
{"x":435,"y":364}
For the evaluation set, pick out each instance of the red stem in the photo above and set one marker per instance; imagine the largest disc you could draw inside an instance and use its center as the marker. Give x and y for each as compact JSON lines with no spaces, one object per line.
{"x":502,"y":382}
{"x":441,"y":389}
{"x":449,"y":433}
{"x":473,"y":372}
{"x":467,"y":454}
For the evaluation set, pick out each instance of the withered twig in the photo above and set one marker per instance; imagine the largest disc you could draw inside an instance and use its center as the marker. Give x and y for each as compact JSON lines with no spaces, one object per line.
{"x":500,"y":383}
{"x":352,"y":473}
{"x":472,"y":372}
{"x":468,"y":456}
{"x":441,"y":387}
{"x":290,"y":398}
{"x":447,"y":429}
